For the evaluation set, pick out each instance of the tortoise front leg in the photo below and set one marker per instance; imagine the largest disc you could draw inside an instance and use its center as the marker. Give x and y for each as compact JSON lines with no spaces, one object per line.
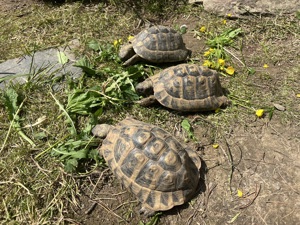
{"x":134,"y":59}
{"x":147,"y":101}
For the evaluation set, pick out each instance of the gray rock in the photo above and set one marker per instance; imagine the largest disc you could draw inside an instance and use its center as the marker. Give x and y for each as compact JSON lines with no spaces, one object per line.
{"x":239,"y":8}
{"x":46,"y":62}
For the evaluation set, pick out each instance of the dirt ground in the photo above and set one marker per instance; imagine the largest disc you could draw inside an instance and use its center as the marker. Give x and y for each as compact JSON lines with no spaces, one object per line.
{"x":10,"y":5}
{"x":259,"y":157}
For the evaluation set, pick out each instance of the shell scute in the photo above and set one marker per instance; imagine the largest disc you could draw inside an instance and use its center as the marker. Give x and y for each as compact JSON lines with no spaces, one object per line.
{"x":133,"y":159}
{"x":170,"y":161}
{"x":148,"y":174}
{"x":140,"y":137}
{"x":154,"y":148}
{"x":120,"y":149}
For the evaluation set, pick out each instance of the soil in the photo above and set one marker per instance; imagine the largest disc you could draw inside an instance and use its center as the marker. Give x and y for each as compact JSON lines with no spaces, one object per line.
{"x":261,"y":159}
{"x":7,"y":6}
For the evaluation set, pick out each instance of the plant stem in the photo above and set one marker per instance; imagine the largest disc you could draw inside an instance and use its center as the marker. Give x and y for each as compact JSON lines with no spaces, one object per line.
{"x":17,"y":126}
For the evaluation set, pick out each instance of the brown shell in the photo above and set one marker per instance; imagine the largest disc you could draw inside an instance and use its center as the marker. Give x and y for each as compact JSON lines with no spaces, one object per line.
{"x":160,"y":44}
{"x":151,"y":164}
{"x":189,"y":87}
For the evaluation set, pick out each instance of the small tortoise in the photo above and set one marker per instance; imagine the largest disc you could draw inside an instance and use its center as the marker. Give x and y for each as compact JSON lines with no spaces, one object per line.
{"x":150,"y":163}
{"x":156,"y":44}
{"x":185,"y":87}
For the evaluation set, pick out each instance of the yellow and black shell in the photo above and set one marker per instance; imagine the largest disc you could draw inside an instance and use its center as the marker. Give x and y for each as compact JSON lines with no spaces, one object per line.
{"x":160,"y":44}
{"x":189,"y":87}
{"x":151,"y":164}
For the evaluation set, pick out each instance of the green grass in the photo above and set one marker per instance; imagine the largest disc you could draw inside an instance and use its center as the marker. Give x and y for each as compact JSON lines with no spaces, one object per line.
{"x":38,"y":182}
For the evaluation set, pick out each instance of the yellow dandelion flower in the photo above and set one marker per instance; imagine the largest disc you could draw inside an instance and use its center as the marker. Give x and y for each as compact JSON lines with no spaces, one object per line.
{"x":224,"y":22}
{"x":202,"y":29}
{"x":229,"y":15}
{"x":221,"y":62}
{"x":298,"y":95}
{"x":207,"y":63}
{"x":265,"y":66}
{"x":259,"y":113}
{"x":130,"y":37}
{"x":239,"y":193}
{"x":215,"y":146}
{"x":207,"y":53}
{"x":230,"y":70}
{"x":116,"y":42}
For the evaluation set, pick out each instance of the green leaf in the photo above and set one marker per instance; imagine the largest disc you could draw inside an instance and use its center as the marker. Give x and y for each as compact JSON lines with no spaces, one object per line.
{"x":224,"y":39}
{"x":85,"y":102}
{"x":251,"y":71}
{"x":86,"y":66}
{"x":187,"y":127}
{"x":81,"y":154}
{"x":153,"y":221}
{"x":10,"y":102}
{"x":93,"y":44}
{"x":68,"y":118}
{"x":62,"y":58}
{"x":71,"y":165}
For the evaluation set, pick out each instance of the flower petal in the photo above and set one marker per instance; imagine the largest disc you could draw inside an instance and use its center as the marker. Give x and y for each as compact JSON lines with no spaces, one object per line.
{"x":215,"y":146}
{"x":221,"y":62}
{"x":229,"y":70}
{"x":259,"y":113}
{"x":202,"y":29}
{"x":239,"y":193}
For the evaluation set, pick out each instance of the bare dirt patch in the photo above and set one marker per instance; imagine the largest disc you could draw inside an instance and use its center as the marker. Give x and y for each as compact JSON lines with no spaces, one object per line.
{"x":7,"y":6}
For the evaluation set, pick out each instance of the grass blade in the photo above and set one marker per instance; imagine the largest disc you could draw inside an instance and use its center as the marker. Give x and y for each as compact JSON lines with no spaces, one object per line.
{"x":61,"y":107}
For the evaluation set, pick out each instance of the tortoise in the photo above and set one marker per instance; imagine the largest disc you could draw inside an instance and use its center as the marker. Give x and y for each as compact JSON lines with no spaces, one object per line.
{"x":185,"y":87}
{"x":156,"y":44}
{"x":150,"y":163}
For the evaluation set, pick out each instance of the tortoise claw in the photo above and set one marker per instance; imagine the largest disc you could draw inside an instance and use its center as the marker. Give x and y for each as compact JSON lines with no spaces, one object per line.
{"x":146,"y":212}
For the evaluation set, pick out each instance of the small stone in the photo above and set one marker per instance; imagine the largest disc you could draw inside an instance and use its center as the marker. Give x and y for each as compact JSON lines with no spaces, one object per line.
{"x":195,"y":1}
{"x":279,"y":107}
{"x":45,"y":60}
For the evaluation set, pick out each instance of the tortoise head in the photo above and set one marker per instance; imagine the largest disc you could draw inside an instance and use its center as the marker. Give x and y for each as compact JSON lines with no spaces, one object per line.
{"x":126,"y":52}
{"x":145,"y":88}
{"x":101,"y":130}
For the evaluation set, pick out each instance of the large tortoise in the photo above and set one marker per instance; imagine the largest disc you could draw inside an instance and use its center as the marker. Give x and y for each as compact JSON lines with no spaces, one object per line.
{"x":150,"y":163}
{"x":185,"y":87}
{"x":156,"y":44}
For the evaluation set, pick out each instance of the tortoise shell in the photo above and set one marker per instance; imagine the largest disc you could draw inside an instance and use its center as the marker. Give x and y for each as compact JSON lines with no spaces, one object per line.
{"x":160,"y":44}
{"x":189,"y":87}
{"x":151,"y":164}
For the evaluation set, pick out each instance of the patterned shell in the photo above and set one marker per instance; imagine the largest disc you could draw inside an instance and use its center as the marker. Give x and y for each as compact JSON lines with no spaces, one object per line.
{"x":151,"y":164}
{"x":160,"y":44}
{"x":189,"y":87}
